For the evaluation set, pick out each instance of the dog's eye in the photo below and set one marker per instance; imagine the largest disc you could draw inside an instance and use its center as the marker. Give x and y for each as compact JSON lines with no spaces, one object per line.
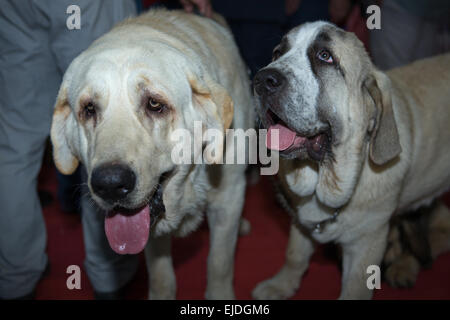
{"x":276,"y":54}
{"x":154,"y":105}
{"x":89,"y":110}
{"x":325,"y":56}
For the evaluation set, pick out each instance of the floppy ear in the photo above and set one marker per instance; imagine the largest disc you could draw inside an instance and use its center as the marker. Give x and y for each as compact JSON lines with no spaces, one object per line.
{"x":217,"y":106}
{"x":65,"y":160}
{"x":214,"y":99}
{"x":384,"y":141}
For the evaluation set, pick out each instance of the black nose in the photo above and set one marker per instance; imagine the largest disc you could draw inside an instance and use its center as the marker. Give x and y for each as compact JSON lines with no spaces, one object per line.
{"x":113,"y":182}
{"x":268,"y":81}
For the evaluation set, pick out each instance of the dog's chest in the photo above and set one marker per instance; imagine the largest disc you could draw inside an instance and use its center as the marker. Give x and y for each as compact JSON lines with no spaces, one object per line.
{"x":321,"y":221}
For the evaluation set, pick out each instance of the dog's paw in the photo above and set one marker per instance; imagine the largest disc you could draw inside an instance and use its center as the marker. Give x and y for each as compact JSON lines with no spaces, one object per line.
{"x":274,"y":289}
{"x":402,"y":273}
{"x":162,"y":290}
{"x":167,"y":295}
{"x":219,"y":295}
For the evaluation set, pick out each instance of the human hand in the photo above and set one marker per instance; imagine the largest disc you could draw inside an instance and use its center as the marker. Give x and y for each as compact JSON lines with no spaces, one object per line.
{"x":204,"y":6}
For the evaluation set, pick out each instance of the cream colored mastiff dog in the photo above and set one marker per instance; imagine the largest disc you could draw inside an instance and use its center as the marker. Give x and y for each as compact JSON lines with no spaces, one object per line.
{"x":118,"y":105}
{"x":358,"y":145}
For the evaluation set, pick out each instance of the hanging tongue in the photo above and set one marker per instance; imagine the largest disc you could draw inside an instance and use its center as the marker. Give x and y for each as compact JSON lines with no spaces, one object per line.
{"x":128,"y":234}
{"x":286,"y":137}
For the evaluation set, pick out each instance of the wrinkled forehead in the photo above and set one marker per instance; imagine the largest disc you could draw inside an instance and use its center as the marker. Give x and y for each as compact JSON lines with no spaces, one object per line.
{"x":347,"y":51}
{"x":110,"y":72}
{"x":306,"y":35}
{"x":303,"y":35}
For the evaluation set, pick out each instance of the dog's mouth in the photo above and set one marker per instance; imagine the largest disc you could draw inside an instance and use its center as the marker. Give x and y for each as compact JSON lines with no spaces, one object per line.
{"x":291,"y":144}
{"x":128,"y":229}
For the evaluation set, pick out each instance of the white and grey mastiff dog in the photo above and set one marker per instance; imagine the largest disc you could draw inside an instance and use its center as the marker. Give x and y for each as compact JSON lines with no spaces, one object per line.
{"x":357,"y":145}
{"x":119,"y":104}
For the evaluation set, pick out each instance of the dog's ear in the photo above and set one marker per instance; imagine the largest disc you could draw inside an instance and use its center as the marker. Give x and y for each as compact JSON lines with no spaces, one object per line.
{"x":216,"y":105}
{"x":384,"y":141}
{"x":64,"y":158}
{"x":214,"y":99}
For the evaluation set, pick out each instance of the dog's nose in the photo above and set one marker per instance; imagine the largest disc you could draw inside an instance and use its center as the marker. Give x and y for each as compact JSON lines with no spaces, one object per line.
{"x":113,"y":182}
{"x":268,"y":81}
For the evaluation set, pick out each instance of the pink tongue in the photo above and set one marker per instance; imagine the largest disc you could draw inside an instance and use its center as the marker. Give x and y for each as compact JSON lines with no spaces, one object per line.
{"x":286,"y":137}
{"x":128,"y":234}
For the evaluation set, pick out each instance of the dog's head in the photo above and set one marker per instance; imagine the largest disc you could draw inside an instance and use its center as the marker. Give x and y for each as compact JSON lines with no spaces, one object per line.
{"x":330,"y":105}
{"x":117,"y":107}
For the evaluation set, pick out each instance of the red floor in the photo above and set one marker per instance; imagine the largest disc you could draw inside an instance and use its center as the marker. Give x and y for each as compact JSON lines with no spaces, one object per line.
{"x":259,"y":255}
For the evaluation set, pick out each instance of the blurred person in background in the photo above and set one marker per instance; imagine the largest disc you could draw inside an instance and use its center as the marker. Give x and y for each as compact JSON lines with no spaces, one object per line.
{"x":410,"y":30}
{"x":36,"y":49}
